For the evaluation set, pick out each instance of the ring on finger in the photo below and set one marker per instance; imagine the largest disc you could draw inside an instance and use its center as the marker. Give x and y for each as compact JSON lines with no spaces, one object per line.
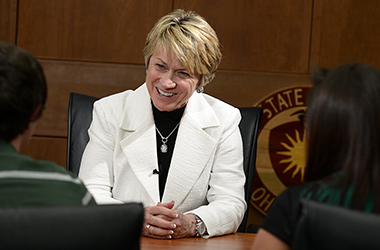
{"x":147,"y":228}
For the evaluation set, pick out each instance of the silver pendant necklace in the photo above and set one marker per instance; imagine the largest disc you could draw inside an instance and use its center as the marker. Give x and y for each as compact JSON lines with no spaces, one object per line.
{"x":164,"y":140}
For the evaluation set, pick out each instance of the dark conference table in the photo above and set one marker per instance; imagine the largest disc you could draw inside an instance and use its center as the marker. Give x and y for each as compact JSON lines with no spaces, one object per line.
{"x":231,"y":241}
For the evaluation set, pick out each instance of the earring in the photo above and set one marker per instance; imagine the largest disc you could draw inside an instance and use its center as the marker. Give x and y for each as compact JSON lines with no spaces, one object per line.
{"x":200,"y":90}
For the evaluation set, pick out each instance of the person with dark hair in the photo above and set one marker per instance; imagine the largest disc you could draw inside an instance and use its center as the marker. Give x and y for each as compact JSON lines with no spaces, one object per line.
{"x":24,"y":181}
{"x":167,"y":144}
{"x":343,"y":161}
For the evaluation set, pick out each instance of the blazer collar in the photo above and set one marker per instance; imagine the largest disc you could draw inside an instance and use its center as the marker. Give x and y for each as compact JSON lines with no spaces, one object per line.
{"x":139,"y":111}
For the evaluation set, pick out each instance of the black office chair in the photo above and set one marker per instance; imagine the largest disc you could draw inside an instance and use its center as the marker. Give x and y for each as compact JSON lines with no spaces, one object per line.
{"x":72,"y":227}
{"x":80,"y":117}
{"x":324,"y":226}
{"x":249,"y":127}
{"x":79,"y":120}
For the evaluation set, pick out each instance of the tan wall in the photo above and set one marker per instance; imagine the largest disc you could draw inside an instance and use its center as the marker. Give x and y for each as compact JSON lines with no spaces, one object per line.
{"x":94,"y":47}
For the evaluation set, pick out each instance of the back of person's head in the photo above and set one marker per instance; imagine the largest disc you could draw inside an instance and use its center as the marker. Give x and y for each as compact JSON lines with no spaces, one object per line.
{"x":22,"y":90}
{"x":193,"y":41}
{"x":343,"y":127}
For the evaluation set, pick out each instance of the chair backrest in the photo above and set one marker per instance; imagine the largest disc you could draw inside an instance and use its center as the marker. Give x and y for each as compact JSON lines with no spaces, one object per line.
{"x":72,"y":227}
{"x":79,"y":120}
{"x":324,"y":226}
{"x":249,"y":127}
{"x":80,"y":117}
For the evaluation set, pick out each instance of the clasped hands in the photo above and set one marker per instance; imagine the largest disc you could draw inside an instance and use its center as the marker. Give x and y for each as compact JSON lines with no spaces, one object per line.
{"x":162,"y":222}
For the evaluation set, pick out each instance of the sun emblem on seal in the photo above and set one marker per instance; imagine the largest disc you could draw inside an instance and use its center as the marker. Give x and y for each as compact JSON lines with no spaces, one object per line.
{"x":281,"y":157}
{"x":296,"y":154}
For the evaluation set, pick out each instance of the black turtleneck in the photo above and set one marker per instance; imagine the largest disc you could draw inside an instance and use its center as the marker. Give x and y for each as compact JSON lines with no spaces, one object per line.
{"x":165,"y":123}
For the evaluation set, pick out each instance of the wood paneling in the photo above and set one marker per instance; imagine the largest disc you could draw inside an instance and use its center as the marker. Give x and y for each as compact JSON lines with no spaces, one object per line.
{"x":8,"y":20}
{"x":244,"y":89}
{"x":260,"y":35}
{"x":96,"y":79}
{"x":88,"y":30}
{"x":50,"y":149}
{"x":268,"y":35}
{"x":346,"y":31}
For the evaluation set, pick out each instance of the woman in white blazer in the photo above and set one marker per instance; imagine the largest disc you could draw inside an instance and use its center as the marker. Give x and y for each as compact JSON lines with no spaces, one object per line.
{"x":176,"y":151}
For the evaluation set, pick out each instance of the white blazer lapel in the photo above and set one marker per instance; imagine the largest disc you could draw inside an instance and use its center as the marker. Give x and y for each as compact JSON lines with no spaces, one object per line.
{"x":194,"y":146}
{"x":138,"y":142}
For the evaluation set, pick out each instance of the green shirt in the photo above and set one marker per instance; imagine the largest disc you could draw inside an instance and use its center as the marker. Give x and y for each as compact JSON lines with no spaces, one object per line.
{"x":27,"y":182}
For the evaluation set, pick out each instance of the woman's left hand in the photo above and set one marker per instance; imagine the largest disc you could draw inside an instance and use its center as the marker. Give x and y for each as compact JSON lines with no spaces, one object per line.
{"x":186,"y":225}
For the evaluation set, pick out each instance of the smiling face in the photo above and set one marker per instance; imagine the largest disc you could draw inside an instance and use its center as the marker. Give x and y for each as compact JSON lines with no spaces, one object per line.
{"x":169,"y":83}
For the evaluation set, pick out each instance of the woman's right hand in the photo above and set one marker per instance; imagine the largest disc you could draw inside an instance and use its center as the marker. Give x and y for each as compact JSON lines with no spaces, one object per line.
{"x":157,"y":221}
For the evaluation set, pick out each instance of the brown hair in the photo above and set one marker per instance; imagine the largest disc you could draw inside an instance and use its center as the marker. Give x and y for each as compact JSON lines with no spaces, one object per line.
{"x":343,"y":130}
{"x":22,"y":90}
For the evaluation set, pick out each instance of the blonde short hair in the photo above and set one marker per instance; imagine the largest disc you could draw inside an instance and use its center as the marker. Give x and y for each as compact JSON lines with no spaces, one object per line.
{"x":193,"y":41}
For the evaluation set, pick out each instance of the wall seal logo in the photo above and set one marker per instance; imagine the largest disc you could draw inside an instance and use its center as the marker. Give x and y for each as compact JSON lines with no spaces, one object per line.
{"x":281,"y":158}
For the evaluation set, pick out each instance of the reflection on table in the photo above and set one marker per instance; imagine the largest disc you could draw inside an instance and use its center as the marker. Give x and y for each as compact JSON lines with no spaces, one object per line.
{"x":231,"y":241}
